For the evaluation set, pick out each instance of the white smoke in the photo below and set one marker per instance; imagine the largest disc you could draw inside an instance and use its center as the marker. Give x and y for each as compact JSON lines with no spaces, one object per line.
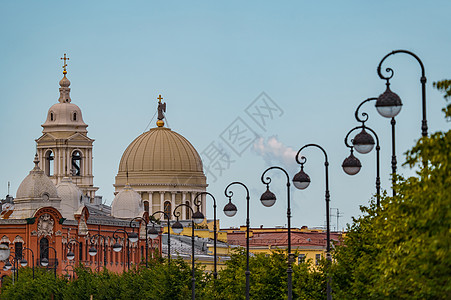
{"x":275,"y":153}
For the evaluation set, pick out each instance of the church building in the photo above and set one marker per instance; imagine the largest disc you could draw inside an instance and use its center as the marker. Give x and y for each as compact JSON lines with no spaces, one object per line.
{"x":56,"y":218}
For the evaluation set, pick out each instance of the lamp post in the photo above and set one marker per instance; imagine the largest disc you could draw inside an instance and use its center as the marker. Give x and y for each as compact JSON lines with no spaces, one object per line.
{"x":129,"y":238}
{"x":197,"y":203}
{"x":351,"y":165}
{"x":133,"y":234}
{"x":268,"y":199}
{"x":13,"y":267}
{"x":196,"y":217}
{"x":72,"y":270}
{"x":153,"y":233}
{"x":93,"y":251}
{"x":45,"y":261}
{"x":70,"y":254}
{"x":389,"y":104}
{"x":301,"y":181}
{"x":230,"y":210}
{"x":24,"y":262}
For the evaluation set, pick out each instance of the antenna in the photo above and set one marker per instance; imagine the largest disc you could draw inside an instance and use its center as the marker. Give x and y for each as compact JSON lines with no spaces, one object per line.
{"x":9,"y":185}
{"x":338,"y":215}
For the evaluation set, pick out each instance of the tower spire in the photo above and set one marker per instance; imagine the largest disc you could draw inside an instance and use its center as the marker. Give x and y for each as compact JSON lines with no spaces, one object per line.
{"x":64,"y":83}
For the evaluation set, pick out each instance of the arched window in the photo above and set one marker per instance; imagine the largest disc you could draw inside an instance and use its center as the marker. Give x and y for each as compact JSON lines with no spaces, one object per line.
{"x":18,"y":250}
{"x":187,"y":211}
{"x":76,"y":163}
{"x":52,"y":116}
{"x":44,"y":248}
{"x":49,"y":163}
{"x":168,"y":208}
{"x":75,"y":116}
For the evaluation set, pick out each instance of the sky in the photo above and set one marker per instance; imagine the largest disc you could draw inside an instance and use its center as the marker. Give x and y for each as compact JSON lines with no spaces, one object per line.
{"x":280,"y":73}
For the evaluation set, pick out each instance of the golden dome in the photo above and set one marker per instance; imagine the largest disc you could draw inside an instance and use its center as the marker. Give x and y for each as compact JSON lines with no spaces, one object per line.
{"x":160,"y":149}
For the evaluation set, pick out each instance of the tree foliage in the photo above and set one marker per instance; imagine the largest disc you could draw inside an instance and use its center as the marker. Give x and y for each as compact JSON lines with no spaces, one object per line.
{"x":402,"y":250}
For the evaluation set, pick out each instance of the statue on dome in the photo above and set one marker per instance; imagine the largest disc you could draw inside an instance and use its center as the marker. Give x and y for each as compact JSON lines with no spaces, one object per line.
{"x":161,"y":108}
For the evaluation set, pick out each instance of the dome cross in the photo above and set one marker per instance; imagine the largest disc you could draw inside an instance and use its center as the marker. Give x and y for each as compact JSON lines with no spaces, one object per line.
{"x":65,"y":64}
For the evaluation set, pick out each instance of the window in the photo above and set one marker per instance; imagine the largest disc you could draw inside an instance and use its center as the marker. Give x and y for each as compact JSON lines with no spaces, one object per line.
{"x":301,"y":258}
{"x":146,"y":206}
{"x":75,"y":116}
{"x":76,"y":163}
{"x":187,"y":211}
{"x":317,"y":258}
{"x":80,"y":251}
{"x":18,"y":250}
{"x":168,"y":209}
{"x":49,"y":163}
{"x":44,"y":248}
{"x":52,"y":116}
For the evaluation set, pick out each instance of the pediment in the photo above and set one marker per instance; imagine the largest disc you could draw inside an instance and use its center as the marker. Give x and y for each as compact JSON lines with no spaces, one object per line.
{"x":78,"y":137}
{"x":46,"y":137}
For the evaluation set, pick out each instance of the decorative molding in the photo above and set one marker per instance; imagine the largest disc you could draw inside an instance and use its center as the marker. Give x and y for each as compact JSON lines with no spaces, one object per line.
{"x":45,"y":225}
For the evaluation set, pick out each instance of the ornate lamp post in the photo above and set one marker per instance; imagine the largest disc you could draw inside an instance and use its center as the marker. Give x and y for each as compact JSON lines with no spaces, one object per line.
{"x":93,"y":250}
{"x":230,"y":210}
{"x":133,"y":234}
{"x":14,"y":267}
{"x":389,"y":104}
{"x":70,"y":254}
{"x":268,"y":199}
{"x":197,"y":203}
{"x":153,"y":232}
{"x":24,"y":262}
{"x":301,"y":181}
{"x":45,"y":261}
{"x":197,"y":217}
{"x":72,"y":270}
{"x":129,"y":239}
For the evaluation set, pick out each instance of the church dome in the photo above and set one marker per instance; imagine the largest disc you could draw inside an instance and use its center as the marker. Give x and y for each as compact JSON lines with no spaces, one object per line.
{"x":70,"y":195}
{"x":160,"y":149}
{"x":36,"y":185}
{"x":127,"y":204}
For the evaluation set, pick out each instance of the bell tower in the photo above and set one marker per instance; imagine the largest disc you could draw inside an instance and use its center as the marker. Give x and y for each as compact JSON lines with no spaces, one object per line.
{"x":64,"y":149}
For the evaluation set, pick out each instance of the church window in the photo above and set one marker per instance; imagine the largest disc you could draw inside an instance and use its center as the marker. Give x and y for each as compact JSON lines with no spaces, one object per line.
{"x":76,"y":163}
{"x":168,"y":208}
{"x":75,"y":116}
{"x":80,"y":251}
{"x":18,"y":250}
{"x":49,"y":158}
{"x":44,"y":248}
{"x":52,"y":116}
{"x":187,"y":211}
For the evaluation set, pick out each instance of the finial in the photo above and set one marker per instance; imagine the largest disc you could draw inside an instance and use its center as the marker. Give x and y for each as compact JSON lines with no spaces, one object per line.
{"x":65,"y":65}
{"x":161,"y":110}
{"x":36,"y":161}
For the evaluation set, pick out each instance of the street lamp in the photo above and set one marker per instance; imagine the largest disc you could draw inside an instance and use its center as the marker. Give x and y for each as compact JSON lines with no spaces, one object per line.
{"x":134,"y":236}
{"x":70,"y":254}
{"x":197,"y":203}
{"x":14,"y":267}
{"x":301,"y":181}
{"x":351,"y":165}
{"x":153,"y":232}
{"x":72,"y":270}
{"x":389,"y":104}
{"x":24,"y":262}
{"x":230,"y":210}
{"x":177,"y":227}
{"x":45,"y":261}
{"x":93,"y":251}
{"x":268,"y":199}
{"x":118,"y":247}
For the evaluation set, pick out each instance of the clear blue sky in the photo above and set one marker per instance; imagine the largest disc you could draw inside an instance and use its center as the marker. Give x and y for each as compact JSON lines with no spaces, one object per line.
{"x":316,"y":59}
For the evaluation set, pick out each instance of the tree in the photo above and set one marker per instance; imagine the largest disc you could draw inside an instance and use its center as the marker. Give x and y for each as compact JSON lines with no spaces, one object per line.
{"x":402,"y":250}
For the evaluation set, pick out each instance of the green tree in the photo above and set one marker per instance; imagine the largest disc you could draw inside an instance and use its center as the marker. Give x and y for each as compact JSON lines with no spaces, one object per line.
{"x":402,"y":250}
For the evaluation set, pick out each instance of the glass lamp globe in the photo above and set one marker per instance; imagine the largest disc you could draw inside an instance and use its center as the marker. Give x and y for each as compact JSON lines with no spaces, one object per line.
{"x":198,"y":217}
{"x":268,"y":198}
{"x":152,"y":233}
{"x":133,"y":237}
{"x":230,"y":209}
{"x":388,"y":104}
{"x":117,"y":247}
{"x":177,"y":227}
{"x":92,"y":251}
{"x":8,"y":265}
{"x":301,"y":180}
{"x":23,"y":262}
{"x":70,"y":255}
{"x":351,"y":165}
{"x":363,"y":142}
{"x":44,"y":262}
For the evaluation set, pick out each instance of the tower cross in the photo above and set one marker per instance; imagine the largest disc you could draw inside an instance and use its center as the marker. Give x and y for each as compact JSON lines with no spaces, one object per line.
{"x":65,"y":65}
{"x":159,"y":98}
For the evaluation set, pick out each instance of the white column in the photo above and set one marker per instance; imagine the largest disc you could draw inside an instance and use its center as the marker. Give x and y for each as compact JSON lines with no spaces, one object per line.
{"x":184,"y":207}
{"x":173,"y":205}
{"x":162,"y":201}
